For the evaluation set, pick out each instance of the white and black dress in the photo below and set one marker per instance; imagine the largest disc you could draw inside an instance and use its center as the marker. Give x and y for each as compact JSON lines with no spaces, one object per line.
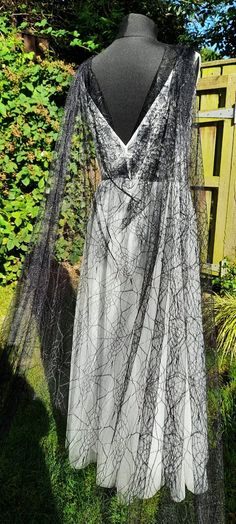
{"x":137,"y":390}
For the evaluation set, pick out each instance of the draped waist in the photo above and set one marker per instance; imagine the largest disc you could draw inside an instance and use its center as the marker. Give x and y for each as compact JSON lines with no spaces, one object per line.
{"x":138,"y":179}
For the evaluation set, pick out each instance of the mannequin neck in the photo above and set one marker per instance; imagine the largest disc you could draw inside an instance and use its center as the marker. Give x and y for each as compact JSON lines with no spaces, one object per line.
{"x":134,"y":25}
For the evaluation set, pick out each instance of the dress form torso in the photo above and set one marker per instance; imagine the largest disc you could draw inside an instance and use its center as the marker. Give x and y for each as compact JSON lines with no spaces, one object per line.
{"x":129,"y":65}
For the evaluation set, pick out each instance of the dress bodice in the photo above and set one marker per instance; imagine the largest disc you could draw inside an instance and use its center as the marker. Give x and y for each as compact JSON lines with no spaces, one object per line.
{"x":151,"y":145}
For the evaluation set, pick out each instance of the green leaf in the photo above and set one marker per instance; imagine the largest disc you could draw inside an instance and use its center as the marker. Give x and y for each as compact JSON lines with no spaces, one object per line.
{"x":3,"y":110}
{"x":76,"y":42}
{"x":24,"y":247}
{"x":2,"y":221}
{"x":23,"y":25}
{"x":10,"y":244}
{"x":21,"y":156}
{"x":10,"y":167}
{"x":26,"y":181}
{"x":29,"y":55}
{"x":18,"y":221}
{"x":41,"y":183}
{"x":42,"y":23}
{"x":29,"y":86}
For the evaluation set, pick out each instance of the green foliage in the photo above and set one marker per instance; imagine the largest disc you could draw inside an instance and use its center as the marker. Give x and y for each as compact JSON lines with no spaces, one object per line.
{"x":31,"y":105}
{"x":220,"y":32}
{"x":225,"y":317}
{"x":228,"y":401}
{"x":226,"y":282}
{"x":228,"y":392}
{"x":208,"y":54}
{"x":209,"y":24}
{"x":77,"y":198}
{"x":71,"y":38}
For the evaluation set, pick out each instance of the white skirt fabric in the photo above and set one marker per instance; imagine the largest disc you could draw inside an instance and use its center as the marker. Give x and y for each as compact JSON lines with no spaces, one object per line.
{"x":137,"y":393}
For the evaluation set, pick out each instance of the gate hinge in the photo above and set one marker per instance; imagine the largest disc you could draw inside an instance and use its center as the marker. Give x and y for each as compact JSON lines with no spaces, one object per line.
{"x":219,"y":113}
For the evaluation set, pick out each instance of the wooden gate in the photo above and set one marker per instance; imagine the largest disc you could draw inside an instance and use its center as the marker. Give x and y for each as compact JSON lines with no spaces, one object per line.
{"x":216,"y":97}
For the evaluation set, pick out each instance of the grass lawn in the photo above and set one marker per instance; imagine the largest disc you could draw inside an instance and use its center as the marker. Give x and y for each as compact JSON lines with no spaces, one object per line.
{"x":38,"y":484}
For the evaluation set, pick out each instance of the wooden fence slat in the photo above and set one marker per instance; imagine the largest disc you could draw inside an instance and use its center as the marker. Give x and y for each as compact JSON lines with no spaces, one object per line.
{"x":216,"y":89}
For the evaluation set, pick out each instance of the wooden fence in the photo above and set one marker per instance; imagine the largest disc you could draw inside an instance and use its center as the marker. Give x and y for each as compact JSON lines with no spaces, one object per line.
{"x":216,"y":105}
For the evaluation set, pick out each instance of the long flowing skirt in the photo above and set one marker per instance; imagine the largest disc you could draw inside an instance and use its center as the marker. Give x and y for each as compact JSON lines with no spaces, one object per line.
{"x":137,"y":392}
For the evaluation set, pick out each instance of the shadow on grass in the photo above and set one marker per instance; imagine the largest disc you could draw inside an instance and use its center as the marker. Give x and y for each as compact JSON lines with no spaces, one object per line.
{"x":38,"y":485}
{"x":26,"y":493}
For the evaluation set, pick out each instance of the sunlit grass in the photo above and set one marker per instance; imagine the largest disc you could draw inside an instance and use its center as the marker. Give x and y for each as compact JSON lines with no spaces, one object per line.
{"x":38,"y":485}
{"x":225,"y":315}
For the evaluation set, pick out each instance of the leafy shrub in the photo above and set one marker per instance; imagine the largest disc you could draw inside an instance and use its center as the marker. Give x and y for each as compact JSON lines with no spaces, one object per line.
{"x":226,"y":282}
{"x":33,"y":91}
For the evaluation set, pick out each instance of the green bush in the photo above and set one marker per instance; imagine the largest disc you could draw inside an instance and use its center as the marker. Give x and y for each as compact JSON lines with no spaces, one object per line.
{"x":226,"y":283}
{"x":33,"y":91}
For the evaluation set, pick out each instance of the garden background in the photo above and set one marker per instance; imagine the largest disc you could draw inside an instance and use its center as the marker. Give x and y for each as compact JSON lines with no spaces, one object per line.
{"x":41,"y":44}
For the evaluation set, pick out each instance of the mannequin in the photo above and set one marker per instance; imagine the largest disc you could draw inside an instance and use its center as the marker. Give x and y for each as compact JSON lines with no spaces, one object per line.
{"x":128,"y":66}
{"x":133,"y":241}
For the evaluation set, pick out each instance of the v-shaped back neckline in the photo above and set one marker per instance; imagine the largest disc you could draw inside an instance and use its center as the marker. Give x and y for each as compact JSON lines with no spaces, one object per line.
{"x":143,"y":114}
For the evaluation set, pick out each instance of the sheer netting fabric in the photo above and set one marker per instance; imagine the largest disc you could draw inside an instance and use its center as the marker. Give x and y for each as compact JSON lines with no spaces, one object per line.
{"x":115,"y":298}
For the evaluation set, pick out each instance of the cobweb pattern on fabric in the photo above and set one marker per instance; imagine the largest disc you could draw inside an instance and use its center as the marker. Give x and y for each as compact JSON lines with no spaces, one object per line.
{"x":113,"y":291}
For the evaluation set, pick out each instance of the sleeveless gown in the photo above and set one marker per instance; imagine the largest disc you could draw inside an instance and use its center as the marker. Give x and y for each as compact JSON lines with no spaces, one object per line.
{"x":137,"y":391}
